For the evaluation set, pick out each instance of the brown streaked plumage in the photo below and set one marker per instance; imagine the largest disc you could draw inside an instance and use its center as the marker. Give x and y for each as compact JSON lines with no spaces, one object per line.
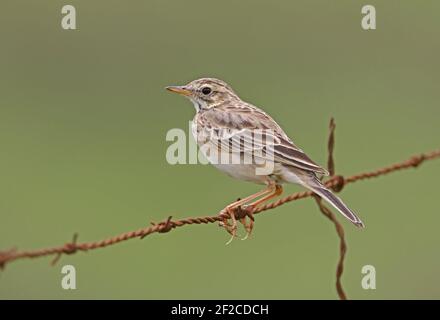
{"x":226,"y":127}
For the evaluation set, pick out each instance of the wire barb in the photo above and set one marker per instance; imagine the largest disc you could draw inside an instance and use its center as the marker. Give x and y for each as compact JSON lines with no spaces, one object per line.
{"x":69,"y":248}
{"x":5,"y":256}
{"x":417,"y":160}
{"x":336,"y":183}
{"x":162,"y":227}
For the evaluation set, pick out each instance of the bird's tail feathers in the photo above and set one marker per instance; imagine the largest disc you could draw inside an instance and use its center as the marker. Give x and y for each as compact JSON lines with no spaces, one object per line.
{"x":317,"y":187}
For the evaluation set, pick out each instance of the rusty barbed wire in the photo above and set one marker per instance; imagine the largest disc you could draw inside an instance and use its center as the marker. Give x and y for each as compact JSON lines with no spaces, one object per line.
{"x":342,"y":246}
{"x":336,"y":182}
{"x":331,"y":147}
{"x":331,"y":216}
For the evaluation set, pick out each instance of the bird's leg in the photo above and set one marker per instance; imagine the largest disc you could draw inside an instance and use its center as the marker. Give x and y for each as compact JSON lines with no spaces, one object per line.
{"x":276,"y":191}
{"x":230,"y":209}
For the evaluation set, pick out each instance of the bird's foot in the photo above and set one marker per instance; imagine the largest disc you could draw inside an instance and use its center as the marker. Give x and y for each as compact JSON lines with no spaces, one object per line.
{"x":230,"y":227}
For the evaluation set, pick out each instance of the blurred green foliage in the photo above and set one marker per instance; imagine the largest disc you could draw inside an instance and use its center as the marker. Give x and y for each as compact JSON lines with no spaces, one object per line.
{"x":83,"y":119}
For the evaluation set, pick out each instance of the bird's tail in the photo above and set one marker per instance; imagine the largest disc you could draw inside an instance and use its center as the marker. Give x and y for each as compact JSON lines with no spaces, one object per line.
{"x":316,"y":186}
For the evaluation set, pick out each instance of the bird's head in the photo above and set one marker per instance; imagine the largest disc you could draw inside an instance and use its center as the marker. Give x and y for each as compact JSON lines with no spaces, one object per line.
{"x":206,"y":93}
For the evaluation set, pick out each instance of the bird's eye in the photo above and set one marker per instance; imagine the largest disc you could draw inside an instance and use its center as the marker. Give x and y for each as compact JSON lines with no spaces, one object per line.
{"x":206,"y":90}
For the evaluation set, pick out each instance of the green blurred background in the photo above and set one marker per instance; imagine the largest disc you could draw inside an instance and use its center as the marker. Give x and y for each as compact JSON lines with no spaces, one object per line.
{"x":83,"y":119}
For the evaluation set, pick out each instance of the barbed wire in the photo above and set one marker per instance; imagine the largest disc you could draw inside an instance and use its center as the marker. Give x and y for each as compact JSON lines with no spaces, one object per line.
{"x":335,"y":182}
{"x":330,"y":215}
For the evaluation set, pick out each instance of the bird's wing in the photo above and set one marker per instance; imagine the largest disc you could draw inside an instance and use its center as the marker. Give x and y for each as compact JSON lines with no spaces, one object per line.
{"x":253,"y":132}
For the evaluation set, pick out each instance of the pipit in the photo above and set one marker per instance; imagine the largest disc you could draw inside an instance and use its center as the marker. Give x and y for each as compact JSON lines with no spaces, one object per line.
{"x":248,"y":141}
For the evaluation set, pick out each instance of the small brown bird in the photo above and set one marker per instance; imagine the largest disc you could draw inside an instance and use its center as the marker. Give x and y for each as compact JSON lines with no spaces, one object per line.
{"x":227,"y":128}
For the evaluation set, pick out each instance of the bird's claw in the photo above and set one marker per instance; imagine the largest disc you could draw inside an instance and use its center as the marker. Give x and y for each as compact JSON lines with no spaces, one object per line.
{"x":230,"y":228}
{"x":248,"y":226}
{"x":245,"y":214}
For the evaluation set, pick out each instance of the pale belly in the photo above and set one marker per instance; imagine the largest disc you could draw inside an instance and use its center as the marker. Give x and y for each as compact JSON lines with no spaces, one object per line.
{"x":234,"y":166}
{"x":244,"y":172}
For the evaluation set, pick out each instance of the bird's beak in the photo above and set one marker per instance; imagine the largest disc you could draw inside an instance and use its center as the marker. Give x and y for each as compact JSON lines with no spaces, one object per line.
{"x":179,"y":89}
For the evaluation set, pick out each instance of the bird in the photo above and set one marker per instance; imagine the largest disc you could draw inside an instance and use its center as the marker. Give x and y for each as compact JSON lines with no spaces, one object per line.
{"x":246,"y":143}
